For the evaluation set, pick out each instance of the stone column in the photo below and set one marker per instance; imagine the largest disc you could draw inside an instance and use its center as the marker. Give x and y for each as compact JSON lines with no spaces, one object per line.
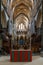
{"x":41,"y":31}
{"x":41,"y":39}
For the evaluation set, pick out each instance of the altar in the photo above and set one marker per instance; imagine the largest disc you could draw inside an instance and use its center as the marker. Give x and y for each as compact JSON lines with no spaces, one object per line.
{"x":21,"y":55}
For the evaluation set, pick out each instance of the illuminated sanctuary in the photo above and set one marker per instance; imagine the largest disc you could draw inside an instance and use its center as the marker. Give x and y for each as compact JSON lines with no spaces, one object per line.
{"x":20,"y":24}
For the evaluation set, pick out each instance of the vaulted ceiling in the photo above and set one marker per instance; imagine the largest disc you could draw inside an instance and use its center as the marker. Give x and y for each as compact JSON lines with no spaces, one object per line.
{"x":24,"y":10}
{"x":21,"y":7}
{"x":25,"y":7}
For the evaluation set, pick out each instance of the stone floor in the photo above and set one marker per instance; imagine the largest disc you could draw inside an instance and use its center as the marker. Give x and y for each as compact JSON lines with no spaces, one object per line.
{"x":37,"y":60}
